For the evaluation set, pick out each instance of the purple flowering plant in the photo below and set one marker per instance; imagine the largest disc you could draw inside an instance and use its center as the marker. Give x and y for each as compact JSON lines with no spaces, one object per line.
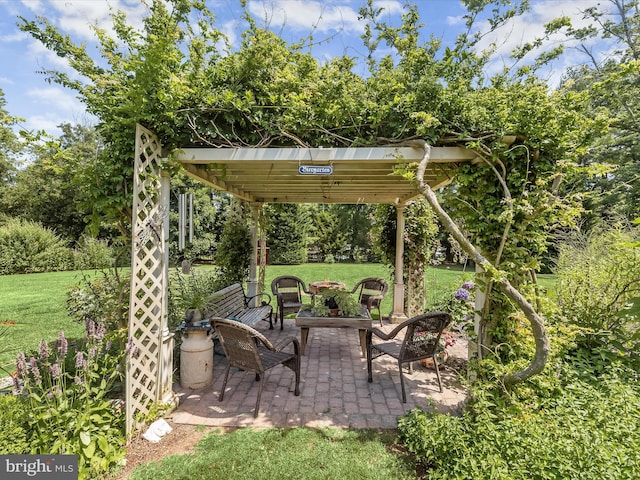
{"x":69,"y":390}
{"x":459,"y":304}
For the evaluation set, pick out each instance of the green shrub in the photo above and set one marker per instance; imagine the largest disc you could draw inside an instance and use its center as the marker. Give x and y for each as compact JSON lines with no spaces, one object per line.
{"x":14,"y":427}
{"x":68,"y":392}
{"x":587,"y":430}
{"x":191,"y":291}
{"x":91,"y":254}
{"x":104,"y":299}
{"x":328,"y":258}
{"x":233,"y":253}
{"x":28,"y":247}
{"x":598,"y":277}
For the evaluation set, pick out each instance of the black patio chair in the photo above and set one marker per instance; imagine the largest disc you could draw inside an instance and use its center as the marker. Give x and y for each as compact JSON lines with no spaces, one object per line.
{"x":288,"y":291}
{"x":421,"y":340}
{"x":371,"y":292}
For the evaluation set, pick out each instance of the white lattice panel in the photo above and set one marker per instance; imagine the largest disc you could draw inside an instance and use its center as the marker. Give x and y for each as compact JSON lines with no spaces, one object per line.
{"x":416,"y":292}
{"x":145,"y":362}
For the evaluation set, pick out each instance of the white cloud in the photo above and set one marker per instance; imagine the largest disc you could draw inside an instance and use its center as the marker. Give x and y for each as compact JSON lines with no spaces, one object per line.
{"x":6,"y":81}
{"x":306,"y":15}
{"x":455,"y":20}
{"x":55,"y":98}
{"x":76,"y":17}
{"x":230,"y":29}
{"x":45,"y":58}
{"x":527,"y":27}
{"x":48,"y":123}
{"x":55,"y":107}
{"x":14,"y":37}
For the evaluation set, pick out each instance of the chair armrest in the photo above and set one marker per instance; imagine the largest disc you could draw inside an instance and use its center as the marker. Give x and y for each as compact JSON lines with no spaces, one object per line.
{"x":379,"y":333}
{"x":286,"y":341}
{"x":247,"y":300}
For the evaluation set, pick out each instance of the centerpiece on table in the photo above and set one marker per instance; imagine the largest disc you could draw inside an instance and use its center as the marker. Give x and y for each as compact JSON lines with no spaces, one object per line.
{"x":334,"y":302}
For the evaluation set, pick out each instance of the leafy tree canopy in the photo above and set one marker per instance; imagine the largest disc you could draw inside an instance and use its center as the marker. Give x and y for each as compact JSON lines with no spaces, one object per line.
{"x":179,"y":76}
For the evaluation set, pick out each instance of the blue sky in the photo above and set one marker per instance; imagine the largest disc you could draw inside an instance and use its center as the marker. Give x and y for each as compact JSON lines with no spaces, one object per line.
{"x":45,"y":106}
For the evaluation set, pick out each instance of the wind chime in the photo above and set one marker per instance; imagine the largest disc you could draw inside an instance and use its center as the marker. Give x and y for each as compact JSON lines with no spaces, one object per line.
{"x":185,"y":219}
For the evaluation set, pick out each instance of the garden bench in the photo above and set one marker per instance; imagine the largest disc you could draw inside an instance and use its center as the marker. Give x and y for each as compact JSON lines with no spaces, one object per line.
{"x":232,"y":303}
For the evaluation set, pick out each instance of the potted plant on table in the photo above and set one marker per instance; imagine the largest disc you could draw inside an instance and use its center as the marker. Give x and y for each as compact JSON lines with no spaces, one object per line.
{"x":335,"y":302}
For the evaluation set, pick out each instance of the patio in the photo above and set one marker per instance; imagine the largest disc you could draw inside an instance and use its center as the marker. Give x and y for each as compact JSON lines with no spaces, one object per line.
{"x":334,"y":391}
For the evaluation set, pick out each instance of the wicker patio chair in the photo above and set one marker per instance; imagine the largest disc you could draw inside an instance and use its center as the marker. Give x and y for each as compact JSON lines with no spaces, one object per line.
{"x":249,"y":350}
{"x":288,"y":291}
{"x":371,"y":291}
{"x":421,"y":340}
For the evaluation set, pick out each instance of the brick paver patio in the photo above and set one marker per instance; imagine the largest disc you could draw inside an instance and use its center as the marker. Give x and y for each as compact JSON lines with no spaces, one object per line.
{"x":334,"y":391}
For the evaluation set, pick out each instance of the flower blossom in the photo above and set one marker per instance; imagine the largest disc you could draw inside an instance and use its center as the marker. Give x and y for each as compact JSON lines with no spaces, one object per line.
{"x":100,"y":331}
{"x":63,"y":344}
{"x":90,"y":327}
{"x":80,"y":360}
{"x":35,"y":371}
{"x":468,"y":285}
{"x":462,"y":294}
{"x":21,"y":364}
{"x":17,"y":385}
{"x":44,"y":351}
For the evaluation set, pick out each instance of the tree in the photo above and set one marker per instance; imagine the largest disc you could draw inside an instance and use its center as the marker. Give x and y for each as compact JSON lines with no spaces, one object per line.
{"x":209,"y":214}
{"x":49,"y":189}
{"x":355,"y":221}
{"x":233,"y":254}
{"x":10,"y":145}
{"x":613,"y":85}
{"x":151,"y":64}
{"x":327,"y":235}
{"x":419,"y":238}
{"x":287,"y":226}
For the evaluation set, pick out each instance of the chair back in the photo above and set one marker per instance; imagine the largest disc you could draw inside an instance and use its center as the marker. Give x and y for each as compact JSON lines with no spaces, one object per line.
{"x":288,"y":289}
{"x":239,"y":343}
{"x":371,"y":287}
{"x":422,"y":337}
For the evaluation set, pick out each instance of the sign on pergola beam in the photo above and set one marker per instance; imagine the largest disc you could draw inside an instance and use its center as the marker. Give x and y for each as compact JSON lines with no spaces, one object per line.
{"x":319,"y":175}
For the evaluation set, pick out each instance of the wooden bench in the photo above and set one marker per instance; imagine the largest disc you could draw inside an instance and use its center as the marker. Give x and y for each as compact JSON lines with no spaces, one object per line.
{"x":232,"y":303}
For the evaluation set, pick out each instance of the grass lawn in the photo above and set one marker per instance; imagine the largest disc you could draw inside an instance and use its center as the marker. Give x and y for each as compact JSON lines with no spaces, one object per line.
{"x":36,"y":303}
{"x":300,"y":453}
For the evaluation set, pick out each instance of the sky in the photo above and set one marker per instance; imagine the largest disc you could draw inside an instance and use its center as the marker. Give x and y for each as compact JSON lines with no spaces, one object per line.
{"x":334,"y":23}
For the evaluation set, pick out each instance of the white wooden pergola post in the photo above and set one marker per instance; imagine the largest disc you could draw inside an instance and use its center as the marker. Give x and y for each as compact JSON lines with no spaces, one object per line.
{"x":398,"y":315}
{"x":252,"y":286}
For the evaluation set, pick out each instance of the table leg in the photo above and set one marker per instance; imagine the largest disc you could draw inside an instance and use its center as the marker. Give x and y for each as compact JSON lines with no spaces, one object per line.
{"x":363,"y":341}
{"x":304,"y":333}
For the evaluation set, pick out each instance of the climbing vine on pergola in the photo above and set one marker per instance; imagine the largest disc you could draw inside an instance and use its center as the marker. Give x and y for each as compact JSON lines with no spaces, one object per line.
{"x":179,"y":77}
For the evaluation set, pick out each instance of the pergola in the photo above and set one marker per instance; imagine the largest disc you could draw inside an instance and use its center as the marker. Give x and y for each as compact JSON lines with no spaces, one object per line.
{"x":358,"y":175}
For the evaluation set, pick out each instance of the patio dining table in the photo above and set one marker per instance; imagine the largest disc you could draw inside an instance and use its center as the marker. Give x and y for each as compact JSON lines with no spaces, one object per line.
{"x":305,"y":319}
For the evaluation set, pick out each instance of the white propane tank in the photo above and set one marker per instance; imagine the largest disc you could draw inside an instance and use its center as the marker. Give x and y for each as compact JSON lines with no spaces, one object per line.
{"x":196,"y":359}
